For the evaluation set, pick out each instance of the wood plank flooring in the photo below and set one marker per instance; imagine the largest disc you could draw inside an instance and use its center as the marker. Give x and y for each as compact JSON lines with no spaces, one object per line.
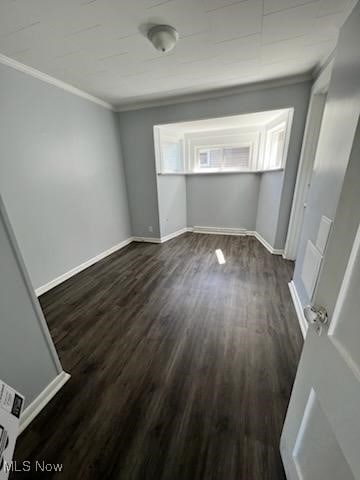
{"x":181,"y":368}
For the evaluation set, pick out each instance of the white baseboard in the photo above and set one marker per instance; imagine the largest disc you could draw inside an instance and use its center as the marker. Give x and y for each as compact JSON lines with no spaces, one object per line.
{"x":298,"y":308}
{"x":65,"y":276}
{"x":40,"y":402}
{"x":162,"y":239}
{"x":196,"y":229}
{"x":269,"y":248}
{"x":239,"y":232}
{"x":147,"y":239}
{"x":219,"y":230}
{"x":173,"y":235}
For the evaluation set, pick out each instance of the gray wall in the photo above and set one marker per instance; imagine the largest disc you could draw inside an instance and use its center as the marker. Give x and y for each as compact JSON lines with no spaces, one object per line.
{"x":136,"y":128}
{"x":172,"y":203}
{"x":61,"y":175}
{"x":341,"y":115}
{"x":26,"y":361}
{"x":270,"y":190}
{"x":224,"y":200}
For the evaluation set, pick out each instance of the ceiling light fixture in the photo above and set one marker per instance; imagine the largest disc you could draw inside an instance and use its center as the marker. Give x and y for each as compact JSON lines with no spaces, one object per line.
{"x":163,"y":37}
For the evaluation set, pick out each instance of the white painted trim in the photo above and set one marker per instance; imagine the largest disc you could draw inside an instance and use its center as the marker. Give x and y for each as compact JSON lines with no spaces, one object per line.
{"x":238,"y":232}
{"x":162,"y":239}
{"x":221,"y":92}
{"x":137,"y":105}
{"x":65,"y":276}
{"x":173,"y":235}
{"x":30,"y":290}
{"x":52,"y":81}
{"x":346,"y":283}
{"x":266,"y":244}
{"x":219,"y":230}
{"x":307,"y":159}
{"x":323,"y":76}
{"x":298,"y":308}
{"x":147,"y":239}
{"x":220,"y":172}
{"x":304,"y":175}
{"x":196,"y":229}
{"x":40,"y":402}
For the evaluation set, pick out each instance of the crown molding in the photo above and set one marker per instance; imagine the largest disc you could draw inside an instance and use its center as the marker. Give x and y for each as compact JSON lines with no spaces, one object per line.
{"x":325,"y":66}
{"x":171,"y":100}
{"x":52,"y":81}
{"x":221,"y":92}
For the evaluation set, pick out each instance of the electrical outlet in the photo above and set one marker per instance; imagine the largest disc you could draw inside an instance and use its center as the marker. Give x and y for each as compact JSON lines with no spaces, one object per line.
{"x":150,"y":228}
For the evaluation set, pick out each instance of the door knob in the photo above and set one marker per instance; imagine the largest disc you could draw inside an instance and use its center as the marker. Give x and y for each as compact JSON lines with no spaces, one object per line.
{"x":316,"y":314}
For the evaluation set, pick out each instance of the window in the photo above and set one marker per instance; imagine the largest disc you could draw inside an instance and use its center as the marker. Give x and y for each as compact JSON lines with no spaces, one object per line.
{"x":218,"y":146}
{"x":204,"y":159}
{"x":227,"y":158}
{"x":275,"y":148}
{"x":171,"y":157}
{"x":237,"y":157}
{"x":210,"y":158}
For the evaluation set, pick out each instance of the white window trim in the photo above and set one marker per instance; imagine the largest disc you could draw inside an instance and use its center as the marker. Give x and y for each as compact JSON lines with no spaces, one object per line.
{"x":195,"y":167}
{"x":181,"y":153}
{"x":269,"y":133}
{"x":189,"y":147}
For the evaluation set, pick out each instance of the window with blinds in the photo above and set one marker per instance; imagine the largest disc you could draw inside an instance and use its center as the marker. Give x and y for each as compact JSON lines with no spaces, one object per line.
{"x":224,"y":158}
{"x":236,"y":157}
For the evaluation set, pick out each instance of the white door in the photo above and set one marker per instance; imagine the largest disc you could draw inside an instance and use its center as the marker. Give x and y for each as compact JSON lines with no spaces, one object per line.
{"x":321,"y":435}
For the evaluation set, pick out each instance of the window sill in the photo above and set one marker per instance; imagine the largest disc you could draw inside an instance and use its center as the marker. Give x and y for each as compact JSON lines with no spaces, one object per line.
{"x":221,"y":173}
{"x":271,"y":170}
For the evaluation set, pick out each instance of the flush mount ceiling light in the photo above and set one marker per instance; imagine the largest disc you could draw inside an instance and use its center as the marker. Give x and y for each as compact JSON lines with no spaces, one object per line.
{"x":163,"y":37}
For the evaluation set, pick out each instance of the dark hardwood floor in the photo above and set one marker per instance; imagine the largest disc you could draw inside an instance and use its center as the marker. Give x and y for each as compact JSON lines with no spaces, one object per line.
{"x":181,"y":368}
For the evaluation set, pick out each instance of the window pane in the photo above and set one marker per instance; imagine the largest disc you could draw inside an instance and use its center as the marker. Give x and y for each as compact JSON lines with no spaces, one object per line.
{"x":204,"y":159}
{"x":215,"y":158}
{"x":171,"y":157}
{"x":236,"y":157}
{"x":211,"y":158}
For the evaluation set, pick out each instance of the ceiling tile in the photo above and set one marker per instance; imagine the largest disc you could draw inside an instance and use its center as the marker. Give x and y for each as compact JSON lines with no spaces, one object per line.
{"x":290,"y":23}
{"x":298,"y":50}
{"x":329,"y":24}
{"x":329,"y":7}
{"x":194,"y":47}
{"x":287,"y":68}
{"x":235,"y":21}
{"x":239,"y":49}
{"x":100,"y":46}
{"x":211,"y":5}
{"x":272,"y":6}
{"x":187,"y":16}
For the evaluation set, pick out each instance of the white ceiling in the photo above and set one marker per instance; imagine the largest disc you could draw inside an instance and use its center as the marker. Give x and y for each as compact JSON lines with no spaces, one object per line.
{"x":99,"y":46}
{"x":257,"y":119}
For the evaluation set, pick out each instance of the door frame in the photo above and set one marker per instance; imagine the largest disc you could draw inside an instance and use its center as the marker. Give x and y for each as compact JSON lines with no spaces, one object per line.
{"x":307,"y":158}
